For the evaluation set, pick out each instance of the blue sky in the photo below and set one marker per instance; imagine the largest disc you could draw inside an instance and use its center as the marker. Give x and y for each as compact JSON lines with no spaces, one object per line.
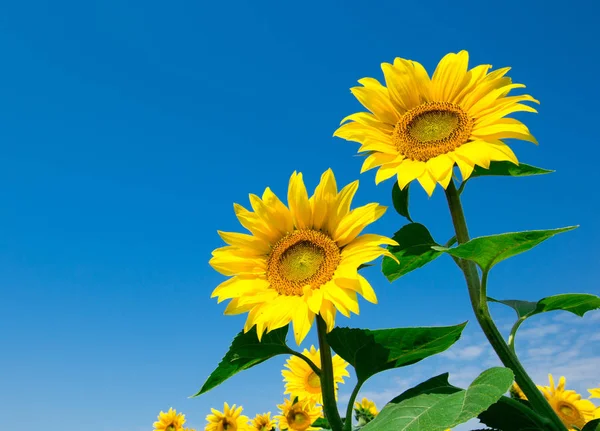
{"x":128,"y":129}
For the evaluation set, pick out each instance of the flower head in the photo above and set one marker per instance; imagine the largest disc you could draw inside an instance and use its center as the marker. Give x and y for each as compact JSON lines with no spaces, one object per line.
{"x":365,"y":411}
{"x":170,"y":421}
{"x":231,"y":419}
{"x":298,"y":415}
{"x":420,"y":127}
{"x":301,"y":260}
{"x":302,"y":382}
{"x":263,"y":423}
{"x":568,"y":405}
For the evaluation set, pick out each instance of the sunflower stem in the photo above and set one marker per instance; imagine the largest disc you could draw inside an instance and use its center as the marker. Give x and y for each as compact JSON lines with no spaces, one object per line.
{"x":478,"y":296}
{"x":310,"y":363}
{"x":327,"y":385}
{"x":513,"y":333}
{"x":350,"y":408}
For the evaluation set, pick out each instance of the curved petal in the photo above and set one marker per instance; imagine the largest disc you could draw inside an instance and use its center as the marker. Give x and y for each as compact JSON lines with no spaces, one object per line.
{"x":303,"y":319}
{"x":298,"y":202}
{"x":323,"y":198}
{"x":450,"y":76}
{"x":408,"y":171}
{"x":375,"y":97}
{"x":355,"y":221}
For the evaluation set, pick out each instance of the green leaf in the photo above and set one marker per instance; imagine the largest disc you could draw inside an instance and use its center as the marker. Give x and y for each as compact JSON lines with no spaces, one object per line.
{"x":593,"y":425}
{"x":371,"y":352}
{"x":487,"y":251}
{"x":437,"y":412}
{"x":414,"y":251}
{"x":523,"y":308}
{"x":400,"y":200}
{"x":505,"y":168}
{"x":245,"y":352}
{"x":504,"y":414}
{"x":321,"y":423}
{"x":576,"y":303}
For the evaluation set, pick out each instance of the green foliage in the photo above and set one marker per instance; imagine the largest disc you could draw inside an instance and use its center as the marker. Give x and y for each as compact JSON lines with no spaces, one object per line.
{"x":506,"y":414}
{"x":414,"y":251}
{"x":245,"y":352}
{"x":505,"y":168}
{"x":487,"y":251}
{"x":322,"y":423}
{"x":439,"y":411}
{"x":371,"y":352}
{"x":593,"y":425}
{"x":400,"y":200}
{"x":576,"y":303}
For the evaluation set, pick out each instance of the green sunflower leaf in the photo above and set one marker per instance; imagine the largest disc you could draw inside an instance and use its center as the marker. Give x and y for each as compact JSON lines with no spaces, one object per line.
{"x":487,"y":251}
{"x":414,"y":251}
{"x":506,"y":414}
{"x":440,"y":411}
{"x":576,"y":303}
{"x":245,"y":352}
{"x":505,"y":168}
{"x":400,"y":200}
{"x":371,"y":352}
{"x":593,"y":425}
{"x":322,"y":423}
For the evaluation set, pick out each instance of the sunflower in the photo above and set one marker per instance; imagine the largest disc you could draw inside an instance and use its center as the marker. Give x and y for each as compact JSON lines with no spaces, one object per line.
{"x":366,"y":405}
{"x":230,"y":420}
{"x":169,"y":421}
{"x":420,"y":127}
{"x":299,"y":261}
{"x":568,"y":405}
{"x":301,"y":381}
{"x":298,"y":415}
{"x":516,"y":392}
{"x":594,"y":393}
{"x":263,"y":423}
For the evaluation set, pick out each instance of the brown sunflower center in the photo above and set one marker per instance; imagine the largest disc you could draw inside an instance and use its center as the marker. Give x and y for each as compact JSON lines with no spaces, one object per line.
{"x":313,"y":381}
{"x":303,"y":257}
{"x":298,"y":420}
{"x":170,"y":428}
{"x":567,"y":411}
{"x":431,"y":129}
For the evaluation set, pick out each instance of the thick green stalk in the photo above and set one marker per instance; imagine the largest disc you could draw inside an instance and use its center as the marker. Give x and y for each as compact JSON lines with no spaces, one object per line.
{"x":479,"y":303}
{"x":327,"y":385}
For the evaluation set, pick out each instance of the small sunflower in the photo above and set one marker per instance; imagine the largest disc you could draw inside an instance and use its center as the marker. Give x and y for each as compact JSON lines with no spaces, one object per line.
{"x":301,"y":381}
{"x":170,"y":421}
{"x":299,"y":415}
{"x":568,"y":405}
{"x":594,"y":393}
{"x":299,"y":261}
{"x":516,"y":392}
{"x":420,"y":127}
{"x":365,"y":411}
{"x":263,"y":423}
{"x":231,"y":419}
{"x":366,"y":405}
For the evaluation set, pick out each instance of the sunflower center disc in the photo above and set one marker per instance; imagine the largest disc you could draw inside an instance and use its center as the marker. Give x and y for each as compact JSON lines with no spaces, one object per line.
{"x":313,"y":381}
{"x":301,"y":261}
{"x":170,"y":428}
{"x":228,"y":425}
{"x":304,"y":257}
{"x":568,"y":411}
{"x":432,"y":129}
{"x":300,"y":420}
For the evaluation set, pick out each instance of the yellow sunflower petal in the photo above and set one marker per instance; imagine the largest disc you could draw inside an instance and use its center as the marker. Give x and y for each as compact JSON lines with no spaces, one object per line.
{"x":298,"y":201}
{"x":450,"y":76}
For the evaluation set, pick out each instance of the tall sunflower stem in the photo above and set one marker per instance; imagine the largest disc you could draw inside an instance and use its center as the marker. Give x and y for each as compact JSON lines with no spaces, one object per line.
{"x":327,"y":385}
{"x":350,"y":408}
{"x":478,"y":296}
{"x":513,"y":333}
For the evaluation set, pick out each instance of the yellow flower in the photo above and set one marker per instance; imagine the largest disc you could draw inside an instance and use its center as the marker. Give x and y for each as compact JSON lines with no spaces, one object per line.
{"x":420,"y":127}
{"x":298,"y":416}
{"x":299,"y":261}
{"x":169,"y":421}
{"x":568,"y":405}
{"x":366,"y":405}
{"x":594,"y":393}
{"x":302,"y":382}
{"x":230,"y":420}
{"x":263,"y":422}
{"x":517,"y":392}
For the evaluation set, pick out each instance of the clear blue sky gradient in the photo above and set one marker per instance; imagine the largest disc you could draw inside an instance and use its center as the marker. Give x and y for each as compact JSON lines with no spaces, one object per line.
{"x":128,"y":129}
